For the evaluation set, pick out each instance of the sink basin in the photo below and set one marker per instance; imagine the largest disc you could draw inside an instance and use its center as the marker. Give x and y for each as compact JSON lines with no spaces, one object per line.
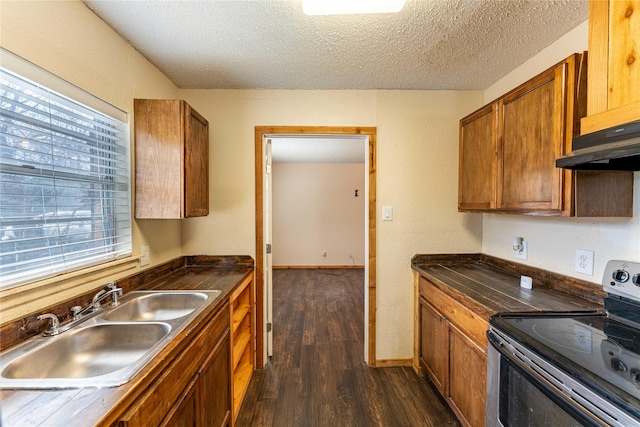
{"x":107,"y":348}
{"x":156,"y":306}
{"x":88,"y":352}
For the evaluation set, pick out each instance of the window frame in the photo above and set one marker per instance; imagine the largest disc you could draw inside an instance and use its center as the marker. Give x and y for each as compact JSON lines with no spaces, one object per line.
{"x":58,"y":86}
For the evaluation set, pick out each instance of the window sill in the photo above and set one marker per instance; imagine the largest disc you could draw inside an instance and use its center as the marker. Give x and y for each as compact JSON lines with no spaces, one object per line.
{"x":23,"y":300}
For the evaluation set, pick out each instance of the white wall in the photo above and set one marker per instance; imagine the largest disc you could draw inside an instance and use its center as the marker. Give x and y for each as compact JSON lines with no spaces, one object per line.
{"x":417,"y":170}
{"x":315,"y":210}
{"x":553,"y":241}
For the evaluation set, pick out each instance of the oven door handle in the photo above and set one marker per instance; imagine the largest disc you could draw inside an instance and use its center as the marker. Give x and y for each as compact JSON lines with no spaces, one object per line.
{"x":553,"y":391}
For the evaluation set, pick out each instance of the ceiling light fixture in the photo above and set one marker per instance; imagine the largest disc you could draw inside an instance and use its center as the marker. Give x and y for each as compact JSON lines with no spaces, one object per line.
{"x":348,"y":7}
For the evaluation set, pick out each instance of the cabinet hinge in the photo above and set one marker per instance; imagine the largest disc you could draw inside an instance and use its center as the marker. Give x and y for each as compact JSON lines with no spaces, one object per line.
{"x":269,"y":327}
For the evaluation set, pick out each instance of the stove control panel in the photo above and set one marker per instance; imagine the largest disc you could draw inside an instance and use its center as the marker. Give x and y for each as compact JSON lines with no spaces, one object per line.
{"x":622,"y":278}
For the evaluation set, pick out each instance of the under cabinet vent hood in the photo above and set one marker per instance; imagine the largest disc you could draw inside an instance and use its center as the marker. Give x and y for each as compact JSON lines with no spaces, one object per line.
{"x":616,"y":148}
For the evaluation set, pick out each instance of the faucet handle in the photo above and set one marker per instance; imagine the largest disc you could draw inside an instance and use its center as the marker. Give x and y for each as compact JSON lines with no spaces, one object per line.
{"x":75,"y":311}
{"x":53,"y":325}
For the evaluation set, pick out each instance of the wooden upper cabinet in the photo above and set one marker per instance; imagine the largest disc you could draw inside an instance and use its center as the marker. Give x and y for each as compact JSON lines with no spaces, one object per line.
{"x":530,"y":140}
{"x":477,"y":160}
{"x":172,"y":160}
{"x":508,"y":151}
{"x":508,"y":148}
{"x":614,"y":64}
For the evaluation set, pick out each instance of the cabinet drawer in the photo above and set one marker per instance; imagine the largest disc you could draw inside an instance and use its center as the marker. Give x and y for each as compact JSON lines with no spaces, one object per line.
{"x":469,"y":322}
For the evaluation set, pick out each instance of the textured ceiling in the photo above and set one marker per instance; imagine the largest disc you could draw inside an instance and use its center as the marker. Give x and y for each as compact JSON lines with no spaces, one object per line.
{"x":272,"y":44}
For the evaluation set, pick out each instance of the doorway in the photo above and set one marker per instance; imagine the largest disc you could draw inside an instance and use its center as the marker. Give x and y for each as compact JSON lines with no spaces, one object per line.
{"x":370,"y":244}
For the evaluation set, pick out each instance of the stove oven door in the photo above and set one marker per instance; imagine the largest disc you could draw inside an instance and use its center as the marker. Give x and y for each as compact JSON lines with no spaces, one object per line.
{"x":524,"y":390}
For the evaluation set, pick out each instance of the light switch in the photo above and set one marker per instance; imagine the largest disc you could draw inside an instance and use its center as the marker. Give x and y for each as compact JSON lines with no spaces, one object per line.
{"x":387,"y":213}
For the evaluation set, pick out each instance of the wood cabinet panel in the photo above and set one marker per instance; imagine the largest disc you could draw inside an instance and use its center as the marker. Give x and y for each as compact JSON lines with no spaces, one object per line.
{"x":614,"y":65}
{"x":624,"y":57}
{"x":530,"y":140}
{"x":196,"y":164}
{"x":172,"y":159}
{"x":476,"y":190}
{"x":215,"y":386}
{"x":467,"y":378}
{"x":184,"y":413}
{"x":434,"y":345}
{"x":605,"y":187}
{"x":158,"y":163}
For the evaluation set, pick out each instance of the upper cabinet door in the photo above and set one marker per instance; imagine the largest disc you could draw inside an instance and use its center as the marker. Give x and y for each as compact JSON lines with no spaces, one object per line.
{"x":477,"y":160}
{"x":196,"y":164}
{"x":172,"y":160}
{"x":614,"y":64}
{"x":530,"y":139}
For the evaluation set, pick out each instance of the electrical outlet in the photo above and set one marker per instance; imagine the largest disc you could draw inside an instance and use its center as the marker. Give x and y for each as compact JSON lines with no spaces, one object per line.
{"x":584,"y":262}
{"x":524,"y":252}
{"x":145,"y":259}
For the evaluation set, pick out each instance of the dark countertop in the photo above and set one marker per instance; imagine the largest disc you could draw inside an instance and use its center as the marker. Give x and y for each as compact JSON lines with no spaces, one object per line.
{"x":93,"y":406}
{"x":490,"y":285}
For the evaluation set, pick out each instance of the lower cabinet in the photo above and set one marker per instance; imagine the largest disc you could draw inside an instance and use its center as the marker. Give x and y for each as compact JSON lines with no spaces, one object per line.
{"x":184,"y":412}
{"x":452,"y":351}
{"x":467,"y":378}
{"x":215,"y":381}
{"x":195,"y":389}
{"x":434,"y":343}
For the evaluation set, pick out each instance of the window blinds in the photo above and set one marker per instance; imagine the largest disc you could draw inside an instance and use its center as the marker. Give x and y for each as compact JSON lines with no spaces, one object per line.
{"x":64,"y":183}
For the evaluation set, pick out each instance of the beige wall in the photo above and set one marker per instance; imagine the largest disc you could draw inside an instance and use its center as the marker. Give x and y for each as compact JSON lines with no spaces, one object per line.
{"x":553,"y":241}
{"x":67,"y":39}
{"x":417,"y":154}
{"x":315,"y":210}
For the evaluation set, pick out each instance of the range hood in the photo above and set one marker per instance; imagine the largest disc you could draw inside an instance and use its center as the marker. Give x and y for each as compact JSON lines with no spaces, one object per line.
{"x":615,"y":148}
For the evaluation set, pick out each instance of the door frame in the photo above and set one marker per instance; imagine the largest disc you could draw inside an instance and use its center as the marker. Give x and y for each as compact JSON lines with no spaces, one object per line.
{"x":260,"y":132}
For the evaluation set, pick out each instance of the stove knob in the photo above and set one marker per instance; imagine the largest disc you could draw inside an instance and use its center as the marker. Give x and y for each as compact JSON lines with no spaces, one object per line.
{"x":618,"y":365}
{"x":636,"y":279}
{"x":620,"y":276}
{"x":635,"y":377}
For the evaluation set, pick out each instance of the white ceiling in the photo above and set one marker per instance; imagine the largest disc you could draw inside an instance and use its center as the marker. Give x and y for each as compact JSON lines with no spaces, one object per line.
{"x":272,"y":44}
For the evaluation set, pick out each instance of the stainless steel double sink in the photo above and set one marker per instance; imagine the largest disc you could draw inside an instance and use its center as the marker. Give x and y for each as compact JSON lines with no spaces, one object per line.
{"x":108,"y":348}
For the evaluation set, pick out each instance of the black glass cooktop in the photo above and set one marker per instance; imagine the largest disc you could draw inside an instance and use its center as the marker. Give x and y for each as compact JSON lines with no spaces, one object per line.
{"x":594,"y":349}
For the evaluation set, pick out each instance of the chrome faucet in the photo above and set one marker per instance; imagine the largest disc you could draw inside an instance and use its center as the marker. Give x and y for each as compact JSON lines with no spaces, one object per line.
{"x":77,"y":311}
{"x":113,"y":290}
{"x":54,"y":324}
{"x":95,"y":302}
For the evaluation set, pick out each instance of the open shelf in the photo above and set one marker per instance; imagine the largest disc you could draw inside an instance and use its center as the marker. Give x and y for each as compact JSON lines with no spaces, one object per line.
{"x":239,"y":346}
{"x":239,"y":313}
{"x":242,"y":341}
{"x":241,"y":379}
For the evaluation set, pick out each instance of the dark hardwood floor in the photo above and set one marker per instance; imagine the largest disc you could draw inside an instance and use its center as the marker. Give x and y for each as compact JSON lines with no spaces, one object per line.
{"x":317,"y":376}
